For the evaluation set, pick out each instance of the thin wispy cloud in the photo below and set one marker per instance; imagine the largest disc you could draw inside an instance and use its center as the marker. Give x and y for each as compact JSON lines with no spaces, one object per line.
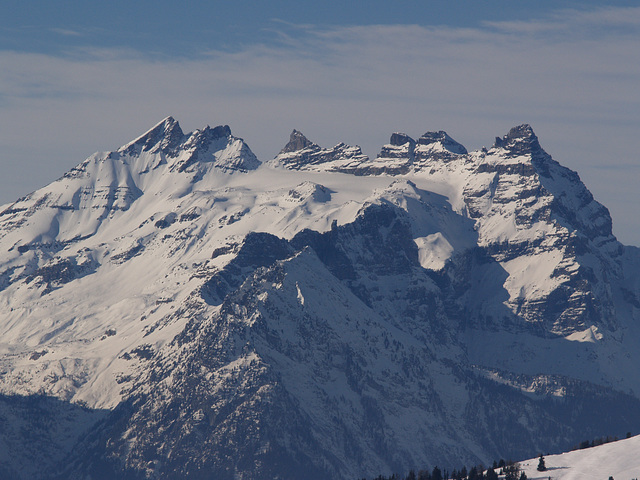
{"x":572,"y":23}
{"x":354,"y":84}
{"x":66,"y":32}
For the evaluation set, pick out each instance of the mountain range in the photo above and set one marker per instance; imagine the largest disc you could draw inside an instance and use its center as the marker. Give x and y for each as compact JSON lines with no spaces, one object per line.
{"x":179,"y":309}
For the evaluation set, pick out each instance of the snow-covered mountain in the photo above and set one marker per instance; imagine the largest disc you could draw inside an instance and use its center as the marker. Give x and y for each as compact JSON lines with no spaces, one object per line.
{"x":180,"y":307}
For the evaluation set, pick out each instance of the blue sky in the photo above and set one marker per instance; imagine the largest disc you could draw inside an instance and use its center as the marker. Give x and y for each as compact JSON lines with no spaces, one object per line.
{"x":170,"y":28}
{"x":78,"y":77}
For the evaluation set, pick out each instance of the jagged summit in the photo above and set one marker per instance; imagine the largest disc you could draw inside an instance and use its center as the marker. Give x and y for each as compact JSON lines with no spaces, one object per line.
{"x":399,"y":139}
{"x":220,"y":131}
{"x":297,"y":141}
{"x":444,"y":139}
{"x":520,"y":140}
{"x":403,"y":155}
{"x":166,"y":136}
{"x":215,"y":146}
{"x":302,"y":154}
{"x":394,"y":158}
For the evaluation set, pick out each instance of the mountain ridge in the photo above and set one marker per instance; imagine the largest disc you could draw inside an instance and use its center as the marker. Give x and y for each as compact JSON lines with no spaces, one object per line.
{"x":430,"y":304}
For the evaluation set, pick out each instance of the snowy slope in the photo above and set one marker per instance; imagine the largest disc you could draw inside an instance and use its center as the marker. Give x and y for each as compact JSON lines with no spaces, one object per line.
{"x":619,"y":460}
{"x":321,"y":311}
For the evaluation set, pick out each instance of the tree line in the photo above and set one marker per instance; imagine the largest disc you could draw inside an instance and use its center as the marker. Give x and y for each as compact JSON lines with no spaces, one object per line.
{"x":597,"y":441}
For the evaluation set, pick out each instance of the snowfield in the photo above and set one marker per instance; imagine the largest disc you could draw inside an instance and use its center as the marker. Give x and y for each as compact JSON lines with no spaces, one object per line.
{"x":620,"y":460}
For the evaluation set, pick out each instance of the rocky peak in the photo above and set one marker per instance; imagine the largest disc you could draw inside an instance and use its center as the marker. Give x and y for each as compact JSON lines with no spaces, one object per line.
{"x":218,"y":146}
{"x":444,"y":139}
{"x":399,"y":139}
{"x":297,"y":141}
{"x":165,"y":136}
{"x":395,"y":158}
{"x":220,"y":131}
{"x":519,"y":141}
{"x":302,"y":154}
{"x":202,"y":139}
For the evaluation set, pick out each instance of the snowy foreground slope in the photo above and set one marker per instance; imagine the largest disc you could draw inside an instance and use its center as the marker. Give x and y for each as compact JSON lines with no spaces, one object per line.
{"x":619,"y":460}
{"x":178,"y":309}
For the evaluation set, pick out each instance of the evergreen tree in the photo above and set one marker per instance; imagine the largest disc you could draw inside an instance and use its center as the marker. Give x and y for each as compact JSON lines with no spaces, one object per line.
{"x":473,"y":473}
{"x":511,"y":471}
{"x":424,"y":475}
{"x":541,"y":466}
{"x":491,"y":474}
{"x":436,"y":474}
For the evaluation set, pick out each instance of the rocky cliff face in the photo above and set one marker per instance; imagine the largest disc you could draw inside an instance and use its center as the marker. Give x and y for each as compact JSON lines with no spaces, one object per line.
{"x":323,"y":315}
